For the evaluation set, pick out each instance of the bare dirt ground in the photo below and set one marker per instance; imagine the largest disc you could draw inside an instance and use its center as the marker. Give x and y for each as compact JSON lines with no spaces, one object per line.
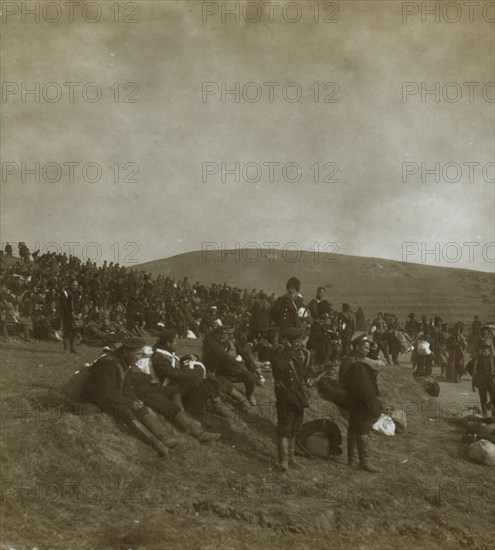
{"x":71,"y":480}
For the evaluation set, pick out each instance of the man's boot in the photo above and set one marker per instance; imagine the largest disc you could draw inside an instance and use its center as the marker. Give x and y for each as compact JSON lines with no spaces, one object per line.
{"x":241,"y":400}
{"x":283,"y":453}
{"x":252,"y":400}
{"x":351,"y":450}
{"x":154,"y":423}
{"x":142,"y":433}
{"x":363,"y":452}
{"x":177,"y":399}
{"x":245,"y":410}
{"x":194,"y":428}
{"x":293,"y":463}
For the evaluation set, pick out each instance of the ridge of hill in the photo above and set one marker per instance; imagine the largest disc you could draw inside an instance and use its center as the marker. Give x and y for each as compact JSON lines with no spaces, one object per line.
{"x":374,"y":284}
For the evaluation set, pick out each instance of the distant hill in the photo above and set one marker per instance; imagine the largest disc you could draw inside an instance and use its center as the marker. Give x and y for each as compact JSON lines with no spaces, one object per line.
{"x":372,"y":283}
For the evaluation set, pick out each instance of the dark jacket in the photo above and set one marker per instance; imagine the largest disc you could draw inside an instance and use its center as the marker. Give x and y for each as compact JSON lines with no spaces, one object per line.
{"x":290,"y":374}
{"x":322,"y":339}
{"x":484,"y":371}
{"x":362,"y":397}
{"x":109,"y":381}
{"x":219,"y":361}
{"x":284,"y":314}
{"x":67,"y":306}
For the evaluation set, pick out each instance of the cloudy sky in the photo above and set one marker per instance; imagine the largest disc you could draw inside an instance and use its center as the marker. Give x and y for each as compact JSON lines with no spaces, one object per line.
{"x":345,"y":108}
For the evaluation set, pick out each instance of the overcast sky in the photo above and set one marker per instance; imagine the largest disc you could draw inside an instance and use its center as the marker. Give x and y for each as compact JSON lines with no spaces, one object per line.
{"x":174,"y":132}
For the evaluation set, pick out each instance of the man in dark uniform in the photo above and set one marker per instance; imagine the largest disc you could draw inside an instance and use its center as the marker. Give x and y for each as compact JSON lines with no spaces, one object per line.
{"x":189,"y":388}
{"x":484,"y":377}
{"x":290,"y":363}
{"x":284,"y":311}
{"x":221,"y":359}
{"x":364,"y":407}
{"x":69,"y":315}
{"x":347,"y":327}
{"x":110,"y":387}
{"x":313,"y":305}
{"x":323,"y":338}
{"x":380,"y":326}
{"x":456,"y":345}
{"x":411,"y":326}
{"x":259,"y":325}
{"x":392,"y":343}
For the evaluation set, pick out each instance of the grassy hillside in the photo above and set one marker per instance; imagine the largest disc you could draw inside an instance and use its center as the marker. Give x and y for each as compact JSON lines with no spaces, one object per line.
{"x":75,"y":481}
{"x":374,"y":284}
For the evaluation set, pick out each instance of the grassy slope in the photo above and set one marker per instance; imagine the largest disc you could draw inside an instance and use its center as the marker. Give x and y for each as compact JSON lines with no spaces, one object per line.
{"x":374,"y":284}
{"x":86,"y":485}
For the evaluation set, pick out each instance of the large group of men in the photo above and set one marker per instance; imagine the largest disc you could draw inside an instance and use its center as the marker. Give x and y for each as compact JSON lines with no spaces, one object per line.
{"x":244,"y":333}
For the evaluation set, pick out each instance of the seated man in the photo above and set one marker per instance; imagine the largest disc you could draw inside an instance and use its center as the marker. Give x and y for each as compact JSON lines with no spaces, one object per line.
{"x":221,"y":359}
{"x":110,"y":387}
{"x":195,"y":387}
{"x":165,"y":399}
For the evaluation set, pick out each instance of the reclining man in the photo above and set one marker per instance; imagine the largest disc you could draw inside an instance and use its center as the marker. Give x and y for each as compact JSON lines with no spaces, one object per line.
{"x":185,"y":379}
{"x":110,"y":386}
{"x":221,"y":359}
{"x":151,"y":380}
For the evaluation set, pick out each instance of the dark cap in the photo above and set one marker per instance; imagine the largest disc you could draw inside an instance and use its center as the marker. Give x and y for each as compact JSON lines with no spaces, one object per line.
{"x":167,"y":335}
{"x":133,"y":343}
{"x":293,"y":282}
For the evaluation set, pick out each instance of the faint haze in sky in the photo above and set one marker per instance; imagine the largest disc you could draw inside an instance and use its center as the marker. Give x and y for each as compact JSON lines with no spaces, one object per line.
{"x":173,"y":130}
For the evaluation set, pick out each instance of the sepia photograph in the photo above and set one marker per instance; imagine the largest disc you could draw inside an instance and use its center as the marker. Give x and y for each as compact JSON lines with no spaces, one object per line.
{"x":247,"y":284}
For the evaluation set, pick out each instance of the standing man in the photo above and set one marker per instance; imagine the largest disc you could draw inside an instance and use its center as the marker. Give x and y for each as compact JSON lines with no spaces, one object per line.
{"x":456,"y":346}
{"x":290,"y":362}
{"x":361,"y":323}
{"x":484,"y":377}
{"x":411,"y":326}
{"x":284,"y":311}
{"x":313,"y":305}
{"x":393,"y":343}
{"x":347,"y":327}
{"x":323,"y":339}
{"x":69,"y":316}
{"x":364,"y":407}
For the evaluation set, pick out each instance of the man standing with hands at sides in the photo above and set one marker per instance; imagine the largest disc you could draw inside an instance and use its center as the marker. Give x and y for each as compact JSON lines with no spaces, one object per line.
{"x":484,"y":378}
{"x":313,"y":305}
{"x":284,"y":311}
{"x":290,"y":362}
{"x":69,"y":316}
{"x":364,"y":408}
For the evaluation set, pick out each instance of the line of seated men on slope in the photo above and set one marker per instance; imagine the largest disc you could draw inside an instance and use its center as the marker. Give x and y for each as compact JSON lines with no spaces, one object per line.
{"x":138,"y":390}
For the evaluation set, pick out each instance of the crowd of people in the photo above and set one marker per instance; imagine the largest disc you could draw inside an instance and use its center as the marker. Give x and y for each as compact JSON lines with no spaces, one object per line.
{"x":59,"y":297}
